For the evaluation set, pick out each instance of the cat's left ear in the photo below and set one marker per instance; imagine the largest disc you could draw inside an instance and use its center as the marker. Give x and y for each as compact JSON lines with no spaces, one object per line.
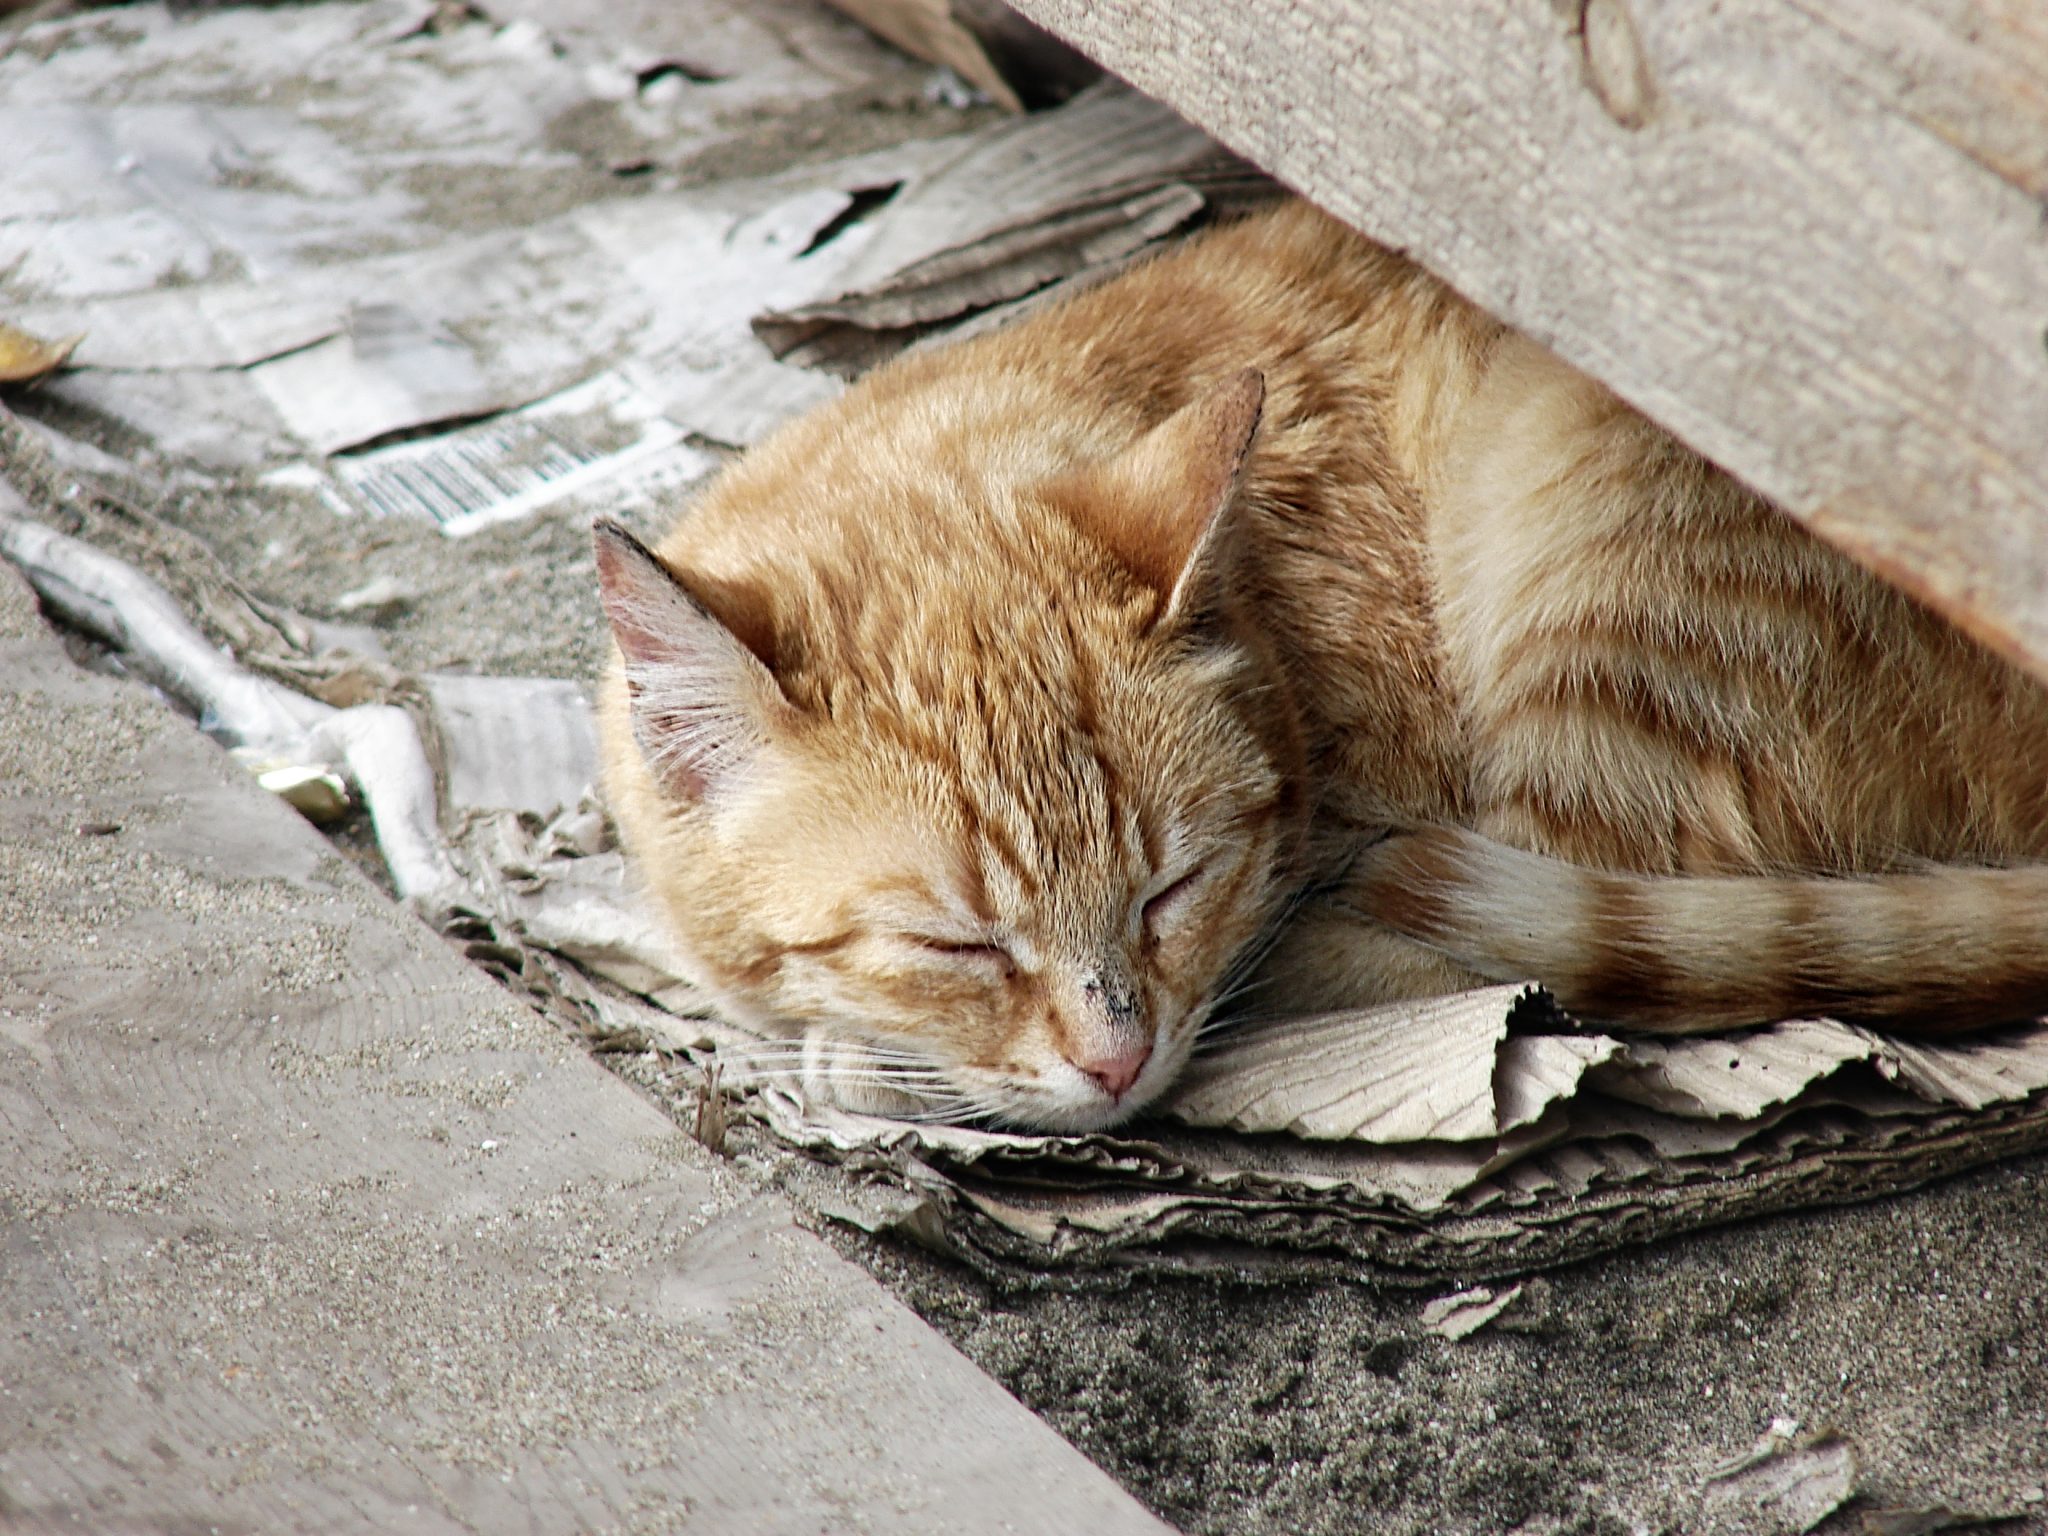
{"x":704,"y":704}
{"x":1163,"y":506}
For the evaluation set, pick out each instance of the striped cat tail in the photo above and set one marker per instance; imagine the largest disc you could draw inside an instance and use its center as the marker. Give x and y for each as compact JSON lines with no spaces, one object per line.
{"x":1930,"y":952}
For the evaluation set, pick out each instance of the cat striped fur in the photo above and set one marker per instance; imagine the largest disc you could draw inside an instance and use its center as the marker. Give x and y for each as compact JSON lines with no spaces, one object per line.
{"x":1936,"y":952}
{"x":1269,"y":631}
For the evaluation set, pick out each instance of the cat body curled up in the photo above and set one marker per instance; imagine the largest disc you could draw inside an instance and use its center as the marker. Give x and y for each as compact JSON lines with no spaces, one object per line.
{"x":1269,"y":629}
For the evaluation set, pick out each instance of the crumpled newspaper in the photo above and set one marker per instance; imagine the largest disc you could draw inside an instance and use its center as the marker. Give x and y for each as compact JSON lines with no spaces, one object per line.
{"x":1017,"y":214}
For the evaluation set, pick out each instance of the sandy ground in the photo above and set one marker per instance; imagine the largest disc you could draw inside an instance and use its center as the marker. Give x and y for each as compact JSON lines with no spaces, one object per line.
{"x":1913,"y":1327}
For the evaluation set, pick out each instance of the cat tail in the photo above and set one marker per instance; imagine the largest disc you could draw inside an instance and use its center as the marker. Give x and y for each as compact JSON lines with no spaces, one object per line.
{"x":1929,"y":952}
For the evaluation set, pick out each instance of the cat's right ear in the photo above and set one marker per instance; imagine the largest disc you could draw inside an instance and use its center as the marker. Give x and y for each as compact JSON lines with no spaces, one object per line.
{"x":702,"y":701}
{"x":1163,"y":506}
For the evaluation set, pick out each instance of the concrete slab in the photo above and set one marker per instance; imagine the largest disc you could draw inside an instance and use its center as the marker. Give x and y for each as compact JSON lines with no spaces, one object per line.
{"x":305,"y":1225}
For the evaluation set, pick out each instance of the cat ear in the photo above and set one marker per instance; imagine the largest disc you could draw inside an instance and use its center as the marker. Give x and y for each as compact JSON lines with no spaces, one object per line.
{"x":1163,"y":505}
{"x":702,"y":701}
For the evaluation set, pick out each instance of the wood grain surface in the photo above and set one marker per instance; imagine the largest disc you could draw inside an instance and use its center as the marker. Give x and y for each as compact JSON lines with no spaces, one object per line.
{"x":307,"y":1226}
{"x":1806,"y":235}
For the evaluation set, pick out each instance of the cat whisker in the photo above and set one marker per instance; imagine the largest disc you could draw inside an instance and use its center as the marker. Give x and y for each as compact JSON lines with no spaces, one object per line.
{"x":828,"y":1043}
{"x":844,"y":1073}
{"x":817,"y":1058}
{"x":1233,"y":994}
{"x":1217,"y":792}
{"x":847,"y":1067}
{"x":924,"y":1083}
{"x":1242,"y":978}
{"x":830,"y":1053}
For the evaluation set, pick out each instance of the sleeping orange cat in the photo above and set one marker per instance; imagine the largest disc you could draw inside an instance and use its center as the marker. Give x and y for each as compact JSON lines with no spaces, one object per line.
{"x":1270,"y":631}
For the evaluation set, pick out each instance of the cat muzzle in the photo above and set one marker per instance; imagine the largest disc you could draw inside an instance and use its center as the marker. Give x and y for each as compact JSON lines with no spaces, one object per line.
{"x":1112,"y":1043}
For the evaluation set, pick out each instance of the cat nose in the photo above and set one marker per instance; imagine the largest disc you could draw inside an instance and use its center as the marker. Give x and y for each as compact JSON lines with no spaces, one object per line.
{"x":1118,"y":1068}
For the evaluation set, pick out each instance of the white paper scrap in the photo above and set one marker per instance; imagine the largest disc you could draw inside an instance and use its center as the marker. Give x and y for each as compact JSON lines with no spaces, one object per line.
{"x":392,"y":368}
{"x":513,"y":743}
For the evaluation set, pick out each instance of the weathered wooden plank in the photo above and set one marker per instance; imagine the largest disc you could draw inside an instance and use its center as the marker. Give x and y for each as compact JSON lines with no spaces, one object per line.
{"x":307,"y":1226}
{"x":1972,"y":72}
{"x":1803,"y":234}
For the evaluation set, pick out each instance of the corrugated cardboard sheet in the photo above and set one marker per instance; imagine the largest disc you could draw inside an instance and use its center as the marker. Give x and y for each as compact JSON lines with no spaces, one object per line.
{"x":1483,"y":1134}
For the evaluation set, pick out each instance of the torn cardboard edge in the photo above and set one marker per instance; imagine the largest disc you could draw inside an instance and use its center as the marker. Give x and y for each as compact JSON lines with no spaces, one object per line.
{"x":1023,"y":208}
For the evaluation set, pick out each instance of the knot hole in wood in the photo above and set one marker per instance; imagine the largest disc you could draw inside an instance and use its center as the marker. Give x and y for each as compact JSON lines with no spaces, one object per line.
{"x":1616,"y":68}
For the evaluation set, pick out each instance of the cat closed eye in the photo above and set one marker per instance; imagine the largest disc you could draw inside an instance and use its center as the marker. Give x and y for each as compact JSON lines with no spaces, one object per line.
{"x":1163,"y":906}
{"x":959,"y":949}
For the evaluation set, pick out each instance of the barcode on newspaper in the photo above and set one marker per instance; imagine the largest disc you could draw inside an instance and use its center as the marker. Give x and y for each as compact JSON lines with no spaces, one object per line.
{"x":514,"y":464}
{"x":464,"y":474}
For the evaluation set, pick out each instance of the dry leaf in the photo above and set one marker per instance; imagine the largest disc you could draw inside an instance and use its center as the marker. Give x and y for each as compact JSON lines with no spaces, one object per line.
{"x":25,"y":358}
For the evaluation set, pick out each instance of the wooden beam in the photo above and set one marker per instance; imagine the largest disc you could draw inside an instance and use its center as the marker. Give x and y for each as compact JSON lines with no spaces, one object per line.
{"x":1808,"y":236}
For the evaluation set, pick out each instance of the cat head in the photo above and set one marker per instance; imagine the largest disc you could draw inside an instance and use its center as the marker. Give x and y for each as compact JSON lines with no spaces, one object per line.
{"x":982,"y":793}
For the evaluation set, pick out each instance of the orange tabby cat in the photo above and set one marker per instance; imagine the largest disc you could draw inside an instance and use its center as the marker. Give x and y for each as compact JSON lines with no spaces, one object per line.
{"x":1270,"y":621}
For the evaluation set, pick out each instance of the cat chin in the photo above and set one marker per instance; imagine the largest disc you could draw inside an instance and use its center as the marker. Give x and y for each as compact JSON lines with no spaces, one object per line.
{"x":1079,"y":1119}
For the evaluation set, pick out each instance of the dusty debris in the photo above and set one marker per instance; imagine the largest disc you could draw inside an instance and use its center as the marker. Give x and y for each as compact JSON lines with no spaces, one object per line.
{"x":1464,"y":1313}
{"x":1069,"y":196}
{"x":372,"y":746}
{"x":1786,"y":1484}
{"x":468,"y":376}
